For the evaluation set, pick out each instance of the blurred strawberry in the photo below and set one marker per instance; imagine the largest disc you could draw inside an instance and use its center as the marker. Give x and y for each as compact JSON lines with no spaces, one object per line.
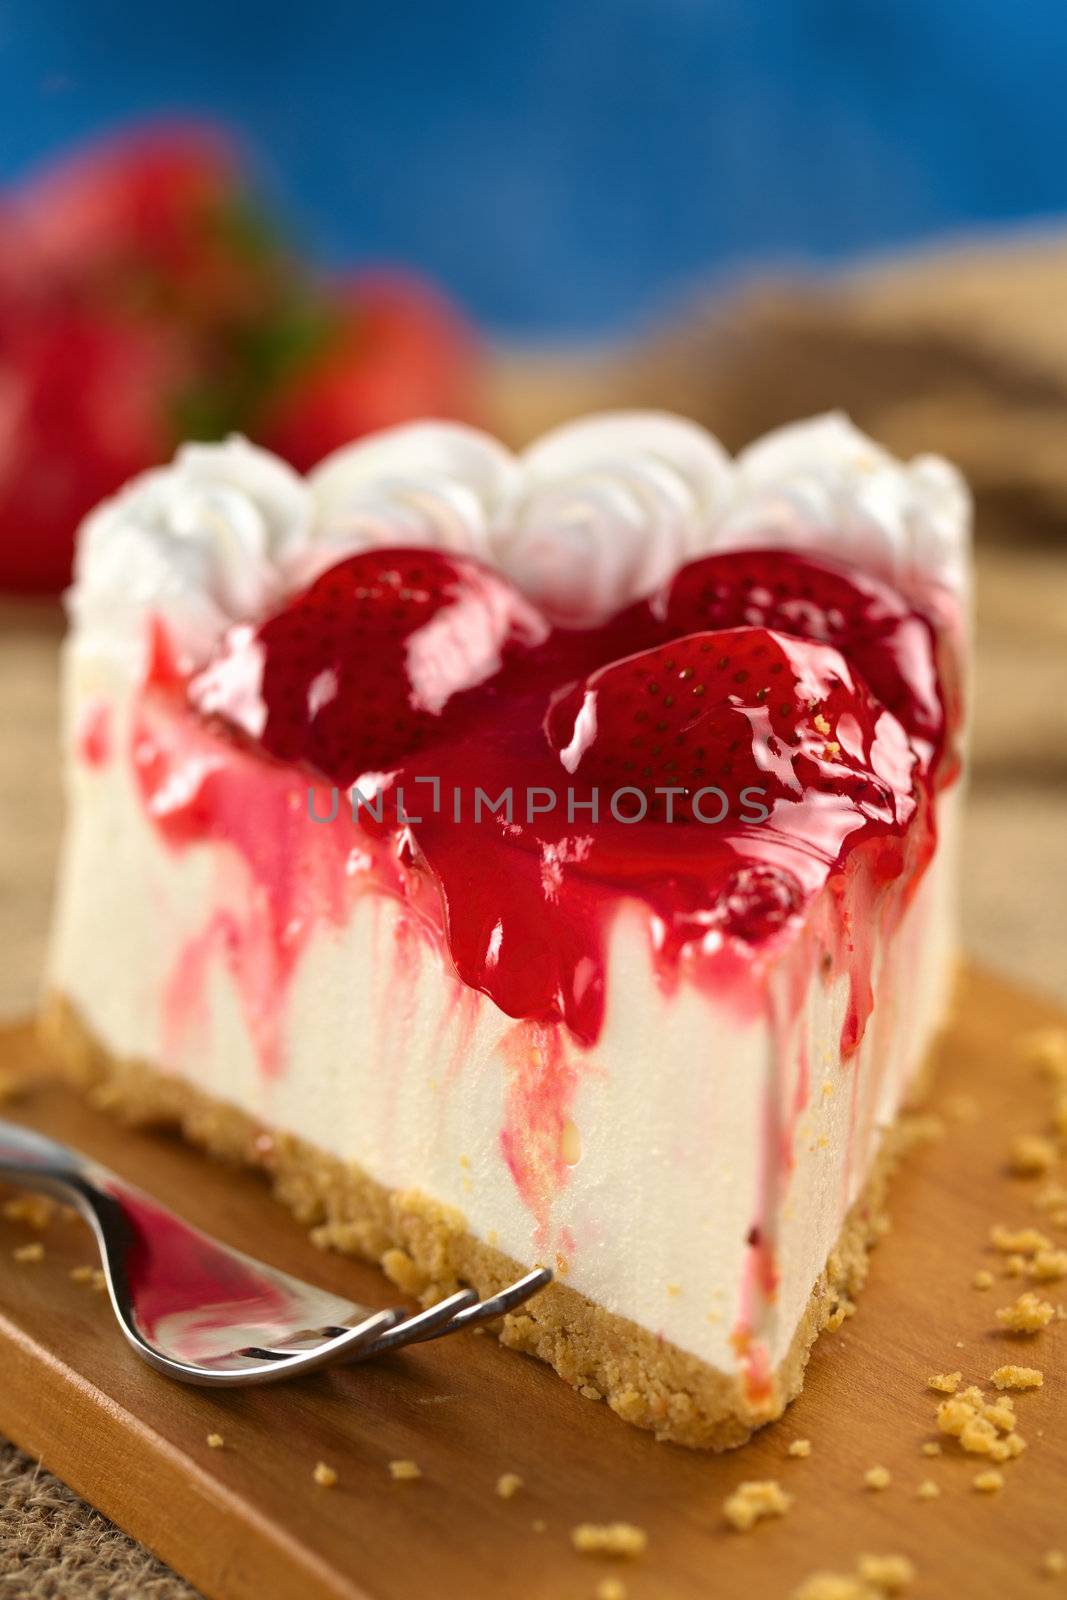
{"x":158,"y":223}
{"x":81,"y":409}
{"x":392,"y":349}
{"x":145,"y":298}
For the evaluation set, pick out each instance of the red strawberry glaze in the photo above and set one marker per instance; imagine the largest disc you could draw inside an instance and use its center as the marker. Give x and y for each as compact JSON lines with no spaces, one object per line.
{"x":522,"y":904}
{"x":92,"y":736}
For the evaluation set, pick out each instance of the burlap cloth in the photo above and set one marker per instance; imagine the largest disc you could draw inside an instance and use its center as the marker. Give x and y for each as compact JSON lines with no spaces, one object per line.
{"x":966,"y":353}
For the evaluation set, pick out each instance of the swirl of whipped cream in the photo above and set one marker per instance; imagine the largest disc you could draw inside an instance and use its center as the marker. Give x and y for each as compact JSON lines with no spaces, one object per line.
{"x":436,"y":484}
{"x":609,"y":508}
{"x":823,"y":486}
{"x":202,"y":543}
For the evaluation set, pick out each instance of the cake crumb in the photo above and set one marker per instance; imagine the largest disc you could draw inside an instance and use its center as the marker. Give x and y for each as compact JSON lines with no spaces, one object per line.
{"x":983,"y":1279}
{"x":754,"y":1500}
{"x":1010,"y":1241}
{"x":539,"y":1525}
{"x":1012,"y":1377}
{"x":833,"y":1586}
{"x":404,"y":1471}
{"x":931,"y":1448}
{"x":508,"y":1485}
{"x":928,"y":1490}
{"x":99,"y":1280}
{"x":609,"y":1539}
{"x":820,"y":723}
{"x":890,"y":1574}
{"x":877,"y":1478}
{"x":27,"y":1253}
{"x":1049,"y":1265}
{"x":875,"y":1578}
{"x":611,"y":1589}
{"x":1054,"y":1563}
{"x":1027,"y":1314}
{"x":990,"y":1481}
{"x":401,"y":1269}
{"x":1046,"y":1049}
{"x":83,"y":1274}
{"x":215,"y":1441}
{"x":945,"y":1382}
{"x":588,"y":1392}
{"x":1031,"y":1155}
{"x":324,"y":1476}
{"x":843,"y":1309}
{"x":35,"y":1210}
{"x":800,"y":1447}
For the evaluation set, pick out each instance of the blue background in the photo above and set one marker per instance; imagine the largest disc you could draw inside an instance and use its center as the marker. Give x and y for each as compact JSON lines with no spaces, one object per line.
{"x":569,"y":166}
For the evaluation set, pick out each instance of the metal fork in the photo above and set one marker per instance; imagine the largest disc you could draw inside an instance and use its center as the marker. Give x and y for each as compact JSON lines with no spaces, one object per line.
{"x":206,"y":1314}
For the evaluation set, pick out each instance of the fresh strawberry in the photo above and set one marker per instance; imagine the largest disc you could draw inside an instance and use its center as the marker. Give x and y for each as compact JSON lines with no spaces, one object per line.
{"x":891,"y":645}
{"x":761,"y":716}
{"x":396,"y":350}
{"x":357,"y":671}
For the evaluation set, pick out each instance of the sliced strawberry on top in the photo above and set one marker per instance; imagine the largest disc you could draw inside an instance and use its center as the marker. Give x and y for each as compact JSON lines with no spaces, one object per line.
{"x":891,"y":645}
{"x":736,"y":710}
{"x":355,"y":673}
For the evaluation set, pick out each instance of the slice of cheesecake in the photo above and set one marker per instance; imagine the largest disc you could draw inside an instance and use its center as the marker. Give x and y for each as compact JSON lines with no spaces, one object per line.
{"x":532,"y":860}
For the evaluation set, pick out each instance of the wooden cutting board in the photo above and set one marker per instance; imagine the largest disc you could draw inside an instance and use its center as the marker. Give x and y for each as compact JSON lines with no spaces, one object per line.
{"x":249,"y":1523}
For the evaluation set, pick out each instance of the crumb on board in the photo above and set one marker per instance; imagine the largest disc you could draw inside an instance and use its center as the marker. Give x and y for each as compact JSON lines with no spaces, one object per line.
{"x":799,"y":1447}
{"x":931,"y":1448}
{"x":82,"y":1274}
{"x":609,"y":1539}
{"x":752,"y":1501}
{"x":1049,"y":1265}
{"x":928,"y":1490}
{"x":983,"y":1427}
{"x":215,"y":1441}
{"x":1014,"y":1241}
{"x":324,"y":1476}
{"x":1054,"y":1563}
{"x":1027,"y":1314}
{"x":1012,"y":1377}
{"x":508,"y":1485}
{"x":34,"y":1210}
{"x":989,"y":1482}
{"x":890,"y":1574}
{"x":877,"y":1478}
{"x":28,"y":1253}
{"x":945,"y":1382}
{"x":875,"y":1578}
{"x":1032,"y":1155}
{"x":539,"y":1525}
{"x":983,"y":1279}
{"x":611,"y":1589}
{"x":404,"y":1471}
{"x":1046,"y":1049}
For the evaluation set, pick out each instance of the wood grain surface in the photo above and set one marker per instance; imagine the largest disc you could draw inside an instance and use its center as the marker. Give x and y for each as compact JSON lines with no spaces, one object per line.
{"x":249,"y":1521}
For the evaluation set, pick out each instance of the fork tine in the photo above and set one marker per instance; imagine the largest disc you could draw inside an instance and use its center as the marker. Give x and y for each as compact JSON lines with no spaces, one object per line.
{"x":349,"y":1340}
{"x":423,"y":1325}
{"x":496,"y":1305}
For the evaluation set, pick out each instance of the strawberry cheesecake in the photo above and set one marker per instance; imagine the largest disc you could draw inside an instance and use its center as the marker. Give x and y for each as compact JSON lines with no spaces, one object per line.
{"x":538,"y":859}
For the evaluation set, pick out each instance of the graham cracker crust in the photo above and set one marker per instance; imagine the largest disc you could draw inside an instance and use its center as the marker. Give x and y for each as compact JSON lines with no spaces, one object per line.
{"x":425,"y":1249}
